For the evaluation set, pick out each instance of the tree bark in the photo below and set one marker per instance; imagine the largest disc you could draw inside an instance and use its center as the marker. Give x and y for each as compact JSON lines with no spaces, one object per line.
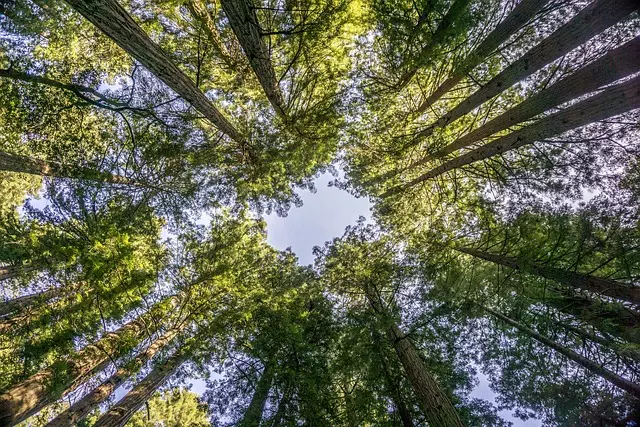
{"x":111,"y":18}
{"x":610,"y":102}
{"x":589,"y":22}
{"x":598,"y":285}
{"x":519,"y":16}
{"x":246,"y":27}
{"x":120,"y":413}
{"x":393,"y":390}
{"x":11,"y":271}
{"x":83,"y":407}
{"x":437,"y":408}
{"x":614,"y":65}
{"x":439,"y":36}
{"x":45,"y":387}
{"x":17,"y":304}
{"x":587,"y":364}
{"x":198,"y":9}
{"x":253,"y":414}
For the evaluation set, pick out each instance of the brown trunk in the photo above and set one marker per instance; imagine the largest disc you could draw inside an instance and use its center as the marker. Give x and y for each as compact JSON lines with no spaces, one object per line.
{"x":519,"y":16}
{"x":110,"y":18}
{"x":613,"y":66}
{"x":246,"y":27}
{"x":20,"y":303}
{"x":198,"y":9}
{"x":573,"y":279}
{"x":83,"y":407}
{"x":591,"y":21}
{"x":11,"y":271}
{"x":587,"y":364}
{"x":45,"y":387}
{"x":610,"y":102}
{"x":439,"y":36}
{"x":121,"y":412}
{"x":392,"y":387}
{"x":253,"y":414}
{"x":437,"y":408}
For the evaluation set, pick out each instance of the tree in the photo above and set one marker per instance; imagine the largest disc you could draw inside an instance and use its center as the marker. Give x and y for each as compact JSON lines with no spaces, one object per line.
{"x":175,"y":407}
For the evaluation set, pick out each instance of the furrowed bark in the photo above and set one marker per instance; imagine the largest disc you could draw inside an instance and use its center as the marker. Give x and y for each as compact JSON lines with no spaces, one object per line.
{"x":392,"y":388}
{"x":614,"y":65}
{"x":83,"y":407}
{"x":198,"y":9}
{"x":612,"y":101}
{"x":245,"y":26}
{"x":119,"y":414}
{"x":439,"y":36}
{"x":519,"y":16}
{"x":598,"y":285}
{"x":437,"y":408}
{"x":31,"y":395}
{"x":253,"y":415}
{"x":587,"y":364}
{"x":111,"y":18}
{"x":589,"y":22}
{"x":17,"y":304}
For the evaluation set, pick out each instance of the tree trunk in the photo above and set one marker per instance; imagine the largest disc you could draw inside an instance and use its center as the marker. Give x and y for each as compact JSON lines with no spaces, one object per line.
{"x":45,"y":387}
{"x":11,"y":271}
{"x":519,"y":16}
{"x":613,"y":66}
{"x":587,"y":364}
{"x":439,"y":36}
{"x":610,"y":102}
{"x":20,"y":303}
{"x":246,"y":27}
{"x":17,"y":163}
{"x":591,"y":21}
{"x":438,"y":409}
{"x":198,"y":9}
{"x":253,"y":414}
{"x":83,"y":407}
{"x":598,"y":285}
{"x":393,"y":389}
{"x":110,"y":18}
{"x":122,"y":411}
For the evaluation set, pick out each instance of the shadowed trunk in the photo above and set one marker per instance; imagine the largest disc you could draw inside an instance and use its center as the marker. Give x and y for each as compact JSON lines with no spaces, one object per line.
{"x":198,"y":9}
{"x":519,"y":16}
{"x":393,"y":388}
{"x":11,"y":271}
{"x":253,"y":414}
{"x":21,"y":303}
{"x":587,"y":364}
{"x":110,"y":18}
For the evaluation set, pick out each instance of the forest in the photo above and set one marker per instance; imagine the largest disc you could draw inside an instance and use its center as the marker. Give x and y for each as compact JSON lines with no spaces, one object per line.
{"x":143,"y":142}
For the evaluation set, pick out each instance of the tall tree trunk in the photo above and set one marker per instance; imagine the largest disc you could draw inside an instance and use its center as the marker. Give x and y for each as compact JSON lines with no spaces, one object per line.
{"x":121,"y":412}
{"x":253,"y":414}
{"x":587,"y":364}
{"x":21,"y":303}
{"x":589,"y":22}
{"x":17,"y":163}
{"x":198,"y":9}
{"x":598,"y":285}
{"x":11,"y":271}
{"x":246,"y":27}
{"x":614,"y":100}
{"x":29,"y":396}
{"x":437,"y":408}
{"x":613,"y":66}
{"x":83,"y":407}
{"x":392,"y":387}
{"x":439,"y":36}
{"x":111,"y":18}
{"x":519,"y":16}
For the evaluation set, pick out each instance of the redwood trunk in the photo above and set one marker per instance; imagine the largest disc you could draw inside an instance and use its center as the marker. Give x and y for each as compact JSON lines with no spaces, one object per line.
{"x":394,"y":392}
{"x":198,"y":9}
{"x":246,"y":27}
{"x":11,"y":271}
{"x":111,"y":18}
{"x":591,"y":21}
{"x":253,"y":414}
{"x":83,"y":407}
{"x":610,"y":102}
{"x":519,"y":16}
{"x":573,"y":279}
{"x":20,"y":303}
{"x":587,"y":364}
{"x":119,"y":414}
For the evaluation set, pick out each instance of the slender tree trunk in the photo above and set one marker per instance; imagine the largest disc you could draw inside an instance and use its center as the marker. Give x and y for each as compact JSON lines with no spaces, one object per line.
{"x":394,"y":390}
{"x":438,"y":409}
{"x":613,"y":66}
{"x":589,"y":22}
{"x":11,"y":271}
{"x":122,"y":411}
{"x":519,"y":16}
{"x":198,"y":9}
{"x":610,"y":102}
{"x":29,"y":396}
{"x":439,"y":36}
{"x":20,"y":303}
{"x":253,"y":414}
{"x":573,"y":279}
{"x":83,"y":407}
{"x":587,"y":364}
{"x":16,"y":163}
{"x":110,"y":18}
{"x":246,"y":27}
